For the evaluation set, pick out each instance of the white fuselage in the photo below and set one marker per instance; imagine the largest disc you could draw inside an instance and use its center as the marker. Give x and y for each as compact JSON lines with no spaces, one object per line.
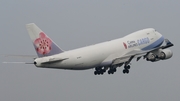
{"x":103,"y":54}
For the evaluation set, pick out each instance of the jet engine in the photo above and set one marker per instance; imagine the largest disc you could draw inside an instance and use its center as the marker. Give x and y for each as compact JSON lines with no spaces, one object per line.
{"x":161,"y":54}
{"x":165,"y":54}
{"x":151,"y":57}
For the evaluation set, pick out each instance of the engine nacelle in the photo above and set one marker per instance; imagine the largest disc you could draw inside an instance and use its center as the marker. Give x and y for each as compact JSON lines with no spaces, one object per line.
{"x":165,"y":54}
{"x":152,"y":57}
{"x":161,"y":54}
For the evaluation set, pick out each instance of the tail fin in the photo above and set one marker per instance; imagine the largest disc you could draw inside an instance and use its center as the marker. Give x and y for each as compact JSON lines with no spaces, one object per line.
{"x":43,"y":45}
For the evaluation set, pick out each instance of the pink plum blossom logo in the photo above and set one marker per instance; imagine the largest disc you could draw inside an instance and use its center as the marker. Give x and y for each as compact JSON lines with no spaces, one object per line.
{"x":43,"y":44}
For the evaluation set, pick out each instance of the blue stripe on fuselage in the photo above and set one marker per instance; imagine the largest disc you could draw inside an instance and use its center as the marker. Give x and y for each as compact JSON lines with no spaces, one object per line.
{"x":155,"y":44}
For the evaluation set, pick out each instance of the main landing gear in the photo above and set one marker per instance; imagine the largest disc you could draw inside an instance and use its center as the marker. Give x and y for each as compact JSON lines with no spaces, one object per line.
{"x":99,"y":70}
{"x":102,"y":70}
{"x":127,"y":65}
{"x":126,"y":69}
{"x":111,"y":69}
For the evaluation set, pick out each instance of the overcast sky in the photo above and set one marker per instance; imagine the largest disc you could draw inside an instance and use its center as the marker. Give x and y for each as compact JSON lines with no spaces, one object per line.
{"x":77,"y":23}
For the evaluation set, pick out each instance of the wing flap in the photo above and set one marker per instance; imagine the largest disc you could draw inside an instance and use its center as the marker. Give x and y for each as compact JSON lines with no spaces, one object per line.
{"x":120,"y":60}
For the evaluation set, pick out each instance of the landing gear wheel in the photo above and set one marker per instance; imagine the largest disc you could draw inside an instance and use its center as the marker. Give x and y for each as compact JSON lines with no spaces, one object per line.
{"x":101,"y":72}
{"x":128,"y":66}
{"x":112,"y":70}
{"x":125,"y":71}
{"x":97,"y":68}
{"x":95,"y":72}
{"x":109,"y":72}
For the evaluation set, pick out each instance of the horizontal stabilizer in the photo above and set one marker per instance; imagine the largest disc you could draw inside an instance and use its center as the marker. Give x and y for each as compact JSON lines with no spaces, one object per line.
{"x":54,"y":60}
{"x":20,"y":56}
{"x":46,"y":60}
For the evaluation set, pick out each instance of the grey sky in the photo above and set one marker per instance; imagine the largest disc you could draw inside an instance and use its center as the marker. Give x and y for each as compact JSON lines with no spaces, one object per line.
{"x":77,"y":23}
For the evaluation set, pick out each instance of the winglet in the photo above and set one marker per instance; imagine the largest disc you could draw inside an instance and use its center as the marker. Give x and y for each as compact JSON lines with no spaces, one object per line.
{"x":168,"y":44}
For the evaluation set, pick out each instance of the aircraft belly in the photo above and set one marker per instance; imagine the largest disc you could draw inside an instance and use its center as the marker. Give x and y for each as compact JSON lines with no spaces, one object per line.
{"x":85,"y":62}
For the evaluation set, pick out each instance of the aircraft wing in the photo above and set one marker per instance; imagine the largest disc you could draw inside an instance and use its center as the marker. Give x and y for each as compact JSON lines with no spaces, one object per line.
{"x":129,"y":56}
{"x":139,"y":53}
{"x":47,"y":60}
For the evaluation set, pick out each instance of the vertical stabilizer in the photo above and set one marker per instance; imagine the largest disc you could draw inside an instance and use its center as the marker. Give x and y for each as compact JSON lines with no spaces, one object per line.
{"x":43,"y":45}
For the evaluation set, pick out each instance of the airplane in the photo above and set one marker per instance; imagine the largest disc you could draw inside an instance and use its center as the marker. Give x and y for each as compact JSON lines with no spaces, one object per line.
{"x":104,"y":57}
